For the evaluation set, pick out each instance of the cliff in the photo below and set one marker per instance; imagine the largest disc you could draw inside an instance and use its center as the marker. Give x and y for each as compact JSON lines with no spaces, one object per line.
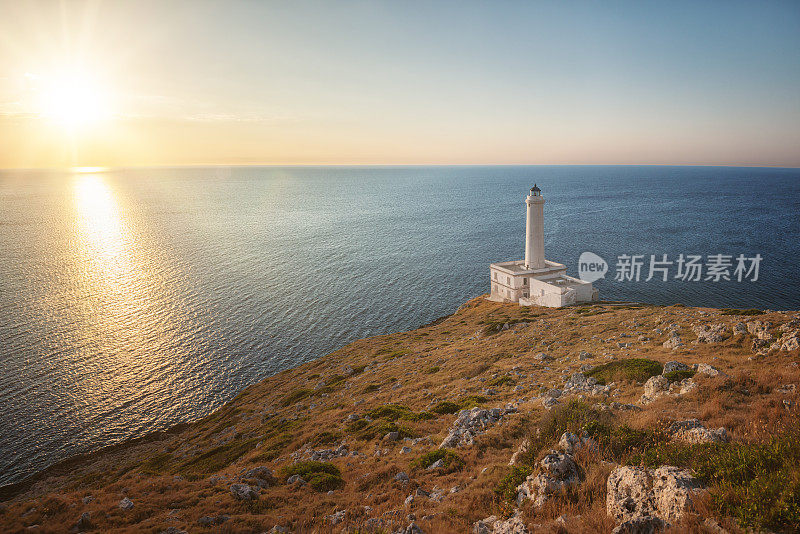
{"x":582,"y":419}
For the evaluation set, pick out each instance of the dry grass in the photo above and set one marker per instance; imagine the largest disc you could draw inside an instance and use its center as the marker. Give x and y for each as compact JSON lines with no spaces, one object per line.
{"x":414,"y":382}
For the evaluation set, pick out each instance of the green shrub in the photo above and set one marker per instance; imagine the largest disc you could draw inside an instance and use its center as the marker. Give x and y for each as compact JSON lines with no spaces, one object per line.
{"x":504,"y":380}
{"x":219,"y":457}
{"x":432,"y":370}
{"x":450,"y":460}
{"x":325,"y":438}
{"x":446,"y":407}
{"x":322,"y":476}
{"x":372,"y":388}
{"x":639,"y":369}
{"x":757,"y":483}
{"x":506,"y":489}
{"x":393,"y":412}
{"x":156,"y":465}
{"x":733,"y":311}
{"x":677,"y":376}
{"x":295,"y":396}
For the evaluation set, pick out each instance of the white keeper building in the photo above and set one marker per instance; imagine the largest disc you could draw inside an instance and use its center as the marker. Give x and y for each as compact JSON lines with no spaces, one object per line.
{"x":536,"y":281}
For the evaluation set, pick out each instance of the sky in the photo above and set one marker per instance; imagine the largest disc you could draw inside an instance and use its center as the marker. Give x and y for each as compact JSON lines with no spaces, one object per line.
{"x":141,"y":83}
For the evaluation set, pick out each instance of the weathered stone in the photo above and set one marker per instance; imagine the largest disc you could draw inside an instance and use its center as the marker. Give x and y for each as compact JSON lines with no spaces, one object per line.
{"x":260,"y":476}
{"x":126,"y":504}
{"x":705,"y":369}
{"x":634,"y":493}
{"x":210,"y":521}
{"x":493,"y":525}
{"x":760,"y":329}
{"x":243,"y":492}
{"x":655,"y":387}
{"x":709,"y":333}
{"x":521,"y":450}
{"x":438,"y":464}
{"x":557,"y":472}
{"x":639,"y":525}
{"x":401,"y":477}
{"x":471,"y":423}
{"x":673,"y":342}
{"x":693,"y":431}
{"x":84,"y":522}
{"x":295,"y":479}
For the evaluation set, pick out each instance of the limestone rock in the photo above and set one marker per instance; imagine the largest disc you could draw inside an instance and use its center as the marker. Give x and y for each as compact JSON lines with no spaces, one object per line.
{"x":84,"y":522}
{"x":760,"y":329}
{"x":709,"y":333}
{"x":337,"y":517}
{"x":260,"y":476}
{"x":705,"y":369}
{"x":655,"y":387}
{"x":635,"y":496}
{"x":578,"y":383}
{"x":471,"y":423}
{"x":126,"y":504}
{"x":493,"y":525}
{"x":740,"y":328}
{"x":295,"y":479}
{"x":673,"y":342}
{"x":412,"y":528}
{"x":243,"y":492}
{"x":693,"y":431}
{"x":210,"y":521}
{"x":557,"y":471}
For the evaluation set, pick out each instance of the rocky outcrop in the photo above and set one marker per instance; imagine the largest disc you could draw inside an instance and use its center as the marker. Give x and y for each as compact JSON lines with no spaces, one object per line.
{"x":673,"y":366}
{"x":493,"y":525}
{"x":557,"y":472}
{"x":693,"y":431}
{"x":471,"y":423}
{"x":673,"y":341}
{"x":789,"y":341}
{"x":709,"y":333}
{"x":705,"y":369}
{"x":760,"y":329}
{"x":521,"y":451}
{"x":655,"y":387}
{"x":640,"y":499}
{"x":243,"y":492}
{"x":578,"y":383}
{"x":259,"y":476}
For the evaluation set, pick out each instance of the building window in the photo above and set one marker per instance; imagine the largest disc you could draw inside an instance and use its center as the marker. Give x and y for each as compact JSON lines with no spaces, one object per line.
{"x":495,"y":276}
{"x":524,"y":281}
{"x":508,"y":280}
{"x":525,"y":294}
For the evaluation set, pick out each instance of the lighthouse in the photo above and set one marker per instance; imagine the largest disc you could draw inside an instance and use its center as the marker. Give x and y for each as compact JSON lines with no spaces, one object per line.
{"x":536,"y":281}
{"x":534,"y":230}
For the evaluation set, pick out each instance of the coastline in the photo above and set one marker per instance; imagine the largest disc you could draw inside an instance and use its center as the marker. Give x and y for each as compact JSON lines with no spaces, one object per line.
{"x":486,"y":351}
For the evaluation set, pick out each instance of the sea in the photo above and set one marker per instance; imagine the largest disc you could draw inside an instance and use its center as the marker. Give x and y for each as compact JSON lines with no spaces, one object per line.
{"x":135,"y":299}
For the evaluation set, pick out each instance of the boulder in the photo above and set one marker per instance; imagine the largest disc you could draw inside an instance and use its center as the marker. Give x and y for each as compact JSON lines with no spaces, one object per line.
{"x":557,"y":472}
{"x":640,"y":525}
{"x":709,"y":333}
{"x":295,"y":479}
{"x":740,"y":328}
{"x":655,"y":387}
{"x":705,"y":369}
{"x":243,"y":492}
{"x":470,"y":423}
{"x":673,"y":342}
{"x":126,"y":504}
{"x":693,"y":431}
{"x":578,"y":383}
{"x":260,"y":476}
{"x":412,"y":528}
{"x":210,"y":521}
{"x":760,"y":329}
{"x":493,"y":525}
{"x":337,"y":517}
{"x":521,"y":450}
{"x":642,"y":499}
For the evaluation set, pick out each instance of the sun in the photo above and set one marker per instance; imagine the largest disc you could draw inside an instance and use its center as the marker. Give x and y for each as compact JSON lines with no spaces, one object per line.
{"x":74,"y":101}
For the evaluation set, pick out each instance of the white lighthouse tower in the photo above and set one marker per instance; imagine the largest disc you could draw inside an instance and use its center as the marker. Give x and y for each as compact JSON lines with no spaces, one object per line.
{"x":535,"y":280}
{"x":534,"y":230}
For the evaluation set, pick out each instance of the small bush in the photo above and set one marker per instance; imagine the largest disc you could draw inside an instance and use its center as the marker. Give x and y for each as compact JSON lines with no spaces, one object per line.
{"x":322,"y":476}
{"x":446,"y":407}
{"x":372,"y":388}
{"x":157,"y":465}
{"x":219,"y":457}
{"x":501,"y":381}
{"x":432,"y":370}
{"x":734,"y":311}
{"x":295,"y":396}
{"x":325,"y":438}
{"x":639,"y":369}
{"x":506,"y":489}
{"x":393,"y":412}
{"x":451,"y":461}
{"x":677,"y":376}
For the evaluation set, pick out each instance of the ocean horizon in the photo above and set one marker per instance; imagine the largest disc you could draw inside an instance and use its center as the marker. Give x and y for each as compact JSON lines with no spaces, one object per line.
{"x":133,"y":299}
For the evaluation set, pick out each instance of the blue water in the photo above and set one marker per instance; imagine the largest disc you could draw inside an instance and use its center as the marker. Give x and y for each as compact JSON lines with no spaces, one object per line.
{"x":134,"y":299}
